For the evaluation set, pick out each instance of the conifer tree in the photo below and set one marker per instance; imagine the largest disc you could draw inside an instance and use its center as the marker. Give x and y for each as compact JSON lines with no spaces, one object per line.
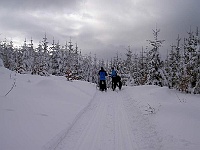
{"x":129,"y":67}
{"x":7,"y":51}
{"x":190,"y":77}
{"x":135,"y":70}
{"x":142,"y":68}
{"x":156,"y":73}
{"x":174,"y":65}
{"x":26,"y":58}
{"x":95,"y":71}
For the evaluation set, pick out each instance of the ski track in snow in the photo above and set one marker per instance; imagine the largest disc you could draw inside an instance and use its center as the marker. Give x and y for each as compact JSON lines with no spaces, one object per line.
{"x":111,"y":121}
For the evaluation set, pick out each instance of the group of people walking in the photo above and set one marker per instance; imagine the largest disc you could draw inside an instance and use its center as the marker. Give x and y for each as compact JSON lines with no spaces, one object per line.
{"x":116,"y":79}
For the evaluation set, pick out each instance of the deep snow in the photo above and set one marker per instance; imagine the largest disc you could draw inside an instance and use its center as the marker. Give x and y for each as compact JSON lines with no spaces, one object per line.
{"x":46,"y":113}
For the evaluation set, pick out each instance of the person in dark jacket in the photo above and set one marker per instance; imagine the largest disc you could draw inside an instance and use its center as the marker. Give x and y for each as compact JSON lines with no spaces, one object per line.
{"x":102,"y":77}
{"x":114,"y":79}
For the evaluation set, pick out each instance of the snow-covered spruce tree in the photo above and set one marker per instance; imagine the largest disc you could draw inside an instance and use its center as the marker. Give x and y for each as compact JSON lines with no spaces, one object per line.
{"x":45,"y":60}
{"x":196,"y":89}
{"x":76,"y":61}
{"x":195,"y":80}
{"x":87,"y":68}
{"x":114,"y":62}
{"x":37,"y":59}
{"x":31,"y":60}
{"x":63,"y":53}
{"x":27,"y":57}
{"x":20,"y":57}
{"x":24,"y":58}
{"x":64,"y":56}
{"x":42,"y":57}
{"x":95,"y":70}
{"x":169,"y":68}
{"x":7,"y":51}
{"x":135,"y":70}
{"x":142,"y":68}
{"x":190,"y":78}
{"x":71,"y":60}
{"x":70,"y":56}
{"x":56,"y":60}
{"x":52,"y":60}
{"x":128,"y":69}
{"x":67,"y":60}
{"x":1,"y":55}
{"x":173,"y":67}
{"x":120,"y":66}
{"x":155,"y":65}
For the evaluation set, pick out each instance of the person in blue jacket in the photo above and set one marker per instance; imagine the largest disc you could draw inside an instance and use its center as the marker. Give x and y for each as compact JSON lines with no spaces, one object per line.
{"x":114,"y":78}
{"x":102,"y":77}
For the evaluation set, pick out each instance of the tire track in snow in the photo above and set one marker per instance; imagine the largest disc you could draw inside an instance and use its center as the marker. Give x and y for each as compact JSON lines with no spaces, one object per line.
{"x":103,"y":125}
{"x":111,"y":121}
{"x":123,"y":137}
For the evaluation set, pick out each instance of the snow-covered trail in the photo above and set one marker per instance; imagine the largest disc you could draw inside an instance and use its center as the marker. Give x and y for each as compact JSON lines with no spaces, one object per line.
{"x":50,"y":113}
{"x":111,"y":121}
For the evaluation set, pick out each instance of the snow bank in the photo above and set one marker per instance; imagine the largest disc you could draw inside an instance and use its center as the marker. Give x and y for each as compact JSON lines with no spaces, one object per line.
{"x":38,"y":108}
{"x":175,"y":115}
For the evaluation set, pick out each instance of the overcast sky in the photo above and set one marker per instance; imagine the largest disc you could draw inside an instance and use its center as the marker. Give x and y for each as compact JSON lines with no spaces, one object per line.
{"x":104,"y":27}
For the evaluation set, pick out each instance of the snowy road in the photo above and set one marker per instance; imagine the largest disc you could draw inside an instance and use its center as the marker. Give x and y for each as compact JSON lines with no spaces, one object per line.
{"x":111,"y":121}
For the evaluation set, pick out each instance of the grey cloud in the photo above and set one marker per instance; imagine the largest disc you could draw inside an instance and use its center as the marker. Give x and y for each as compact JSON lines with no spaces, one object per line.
{"x":99,"y":26}
{"x":40,"y":4}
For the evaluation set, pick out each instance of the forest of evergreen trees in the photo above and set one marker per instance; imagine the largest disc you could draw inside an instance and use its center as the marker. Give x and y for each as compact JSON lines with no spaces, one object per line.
{"x":180,"y":70}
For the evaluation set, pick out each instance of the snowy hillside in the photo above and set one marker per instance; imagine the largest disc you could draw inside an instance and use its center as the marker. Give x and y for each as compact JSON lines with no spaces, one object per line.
{"x":46,"y":113}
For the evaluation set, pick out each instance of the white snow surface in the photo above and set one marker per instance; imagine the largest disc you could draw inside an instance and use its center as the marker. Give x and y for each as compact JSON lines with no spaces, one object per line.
{"x":51,"y":113}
